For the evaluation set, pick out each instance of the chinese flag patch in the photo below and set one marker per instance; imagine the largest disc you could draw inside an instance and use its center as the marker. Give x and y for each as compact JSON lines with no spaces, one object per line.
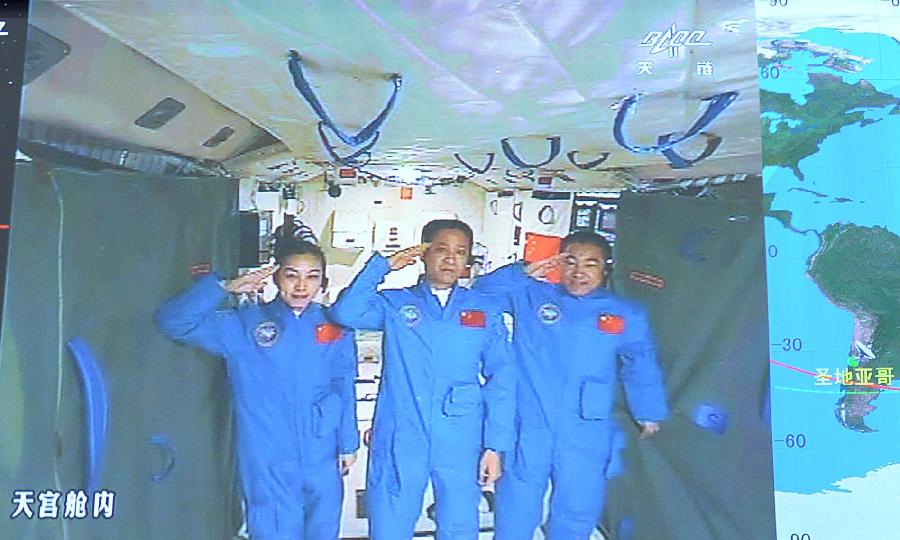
{"x":328,"y":333}
{"x":472,"y":317}
{"x":611,"y":324}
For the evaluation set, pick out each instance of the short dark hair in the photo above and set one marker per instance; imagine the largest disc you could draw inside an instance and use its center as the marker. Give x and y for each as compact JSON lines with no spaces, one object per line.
{"x":588,"y":237}
{"x":288,"y":246}
{"x":437,"y":225}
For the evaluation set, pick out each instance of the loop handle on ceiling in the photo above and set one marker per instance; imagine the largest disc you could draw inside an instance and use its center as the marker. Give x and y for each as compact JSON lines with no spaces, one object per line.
{"x":476,"y":170}
{"x":371,"y":129}
{"x":677,"y":161}
{"x":716,"y":104}
{"x":517,"y":161}
{"x":590,"y":164}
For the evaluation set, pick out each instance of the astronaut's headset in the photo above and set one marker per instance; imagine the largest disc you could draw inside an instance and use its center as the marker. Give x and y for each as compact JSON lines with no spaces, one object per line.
{"x":608,"y":270}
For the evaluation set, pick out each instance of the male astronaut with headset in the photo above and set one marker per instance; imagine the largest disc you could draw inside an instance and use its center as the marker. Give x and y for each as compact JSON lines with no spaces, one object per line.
{"x":568,"y":339}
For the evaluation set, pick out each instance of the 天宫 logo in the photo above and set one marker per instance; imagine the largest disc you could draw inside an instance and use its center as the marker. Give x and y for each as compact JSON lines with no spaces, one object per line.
{"x":672,"y":39}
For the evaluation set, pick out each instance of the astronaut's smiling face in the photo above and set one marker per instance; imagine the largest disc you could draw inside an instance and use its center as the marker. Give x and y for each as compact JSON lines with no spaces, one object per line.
{"x":299,"y":280}
{"x":445,"y":257}
{"x":582,"y":268}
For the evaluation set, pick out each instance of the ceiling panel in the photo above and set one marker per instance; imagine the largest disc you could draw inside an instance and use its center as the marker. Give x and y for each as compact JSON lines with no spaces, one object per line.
{"x":473,"y":72}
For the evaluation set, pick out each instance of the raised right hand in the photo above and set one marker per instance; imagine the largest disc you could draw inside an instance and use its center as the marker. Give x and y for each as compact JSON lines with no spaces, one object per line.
{"x":539,"y":269}
{"x":251,"y":282}
{"x":406,"y":257}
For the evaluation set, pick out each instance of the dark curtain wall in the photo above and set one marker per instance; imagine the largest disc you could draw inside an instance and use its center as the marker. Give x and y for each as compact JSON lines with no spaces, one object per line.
{"x":707,"y":475}
{"x":93,"y":255}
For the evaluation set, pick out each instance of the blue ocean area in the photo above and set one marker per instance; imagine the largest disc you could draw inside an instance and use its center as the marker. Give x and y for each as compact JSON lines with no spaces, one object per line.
{"x":792,"y":78}
{"x":857,"y":173}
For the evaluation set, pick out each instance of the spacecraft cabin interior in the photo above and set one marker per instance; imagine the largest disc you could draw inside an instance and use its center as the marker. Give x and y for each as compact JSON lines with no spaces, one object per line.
{"x":160,"y":140}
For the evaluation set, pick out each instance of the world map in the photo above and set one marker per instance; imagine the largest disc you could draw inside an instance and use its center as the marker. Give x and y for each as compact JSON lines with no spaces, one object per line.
{"x":830,"y":109}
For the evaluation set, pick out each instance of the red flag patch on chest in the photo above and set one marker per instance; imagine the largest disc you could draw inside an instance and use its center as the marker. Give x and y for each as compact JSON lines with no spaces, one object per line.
{"x":328,"y":333}
{"x":472,"y":317}
{"x":611,"y":324}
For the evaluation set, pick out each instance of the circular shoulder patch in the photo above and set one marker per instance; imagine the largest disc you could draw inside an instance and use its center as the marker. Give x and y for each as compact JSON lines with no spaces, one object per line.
{"x":410,"y":315}
{"x":548,"y":313}
{"x":265,"y":334}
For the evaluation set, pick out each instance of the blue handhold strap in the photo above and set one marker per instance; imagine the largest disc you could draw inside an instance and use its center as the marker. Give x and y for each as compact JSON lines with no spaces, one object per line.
{"x":515,"y":160}
{"x":476,"y":170}
{"x":590,"y":164}
{"x":303,"y":86}
{"x":351,"y":159}
{"x":162,"y":442}
{"x":716,"y":105}
{"x":96,"y":407}
{"x":678,"y":161}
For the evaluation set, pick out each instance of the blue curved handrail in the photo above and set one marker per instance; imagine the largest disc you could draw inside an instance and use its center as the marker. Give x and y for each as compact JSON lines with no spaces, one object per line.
{"x":165,"y":446}
{"x":716,"y":105}
{"x":677,"y":161}
{"x":96,"y":407}
{"x":517,"y":161}
{"x":476,"y":170}
{"x":588,"y":165}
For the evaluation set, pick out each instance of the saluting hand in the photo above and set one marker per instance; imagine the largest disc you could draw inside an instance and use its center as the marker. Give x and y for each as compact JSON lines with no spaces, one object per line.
{"x":540,"y":269}
{"x":249,"y":283}
{"x":406,"y":257}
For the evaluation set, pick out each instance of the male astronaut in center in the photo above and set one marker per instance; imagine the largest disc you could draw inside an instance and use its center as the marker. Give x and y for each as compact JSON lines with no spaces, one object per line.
{"x":434,"y":419}
{"x":568,"y":338}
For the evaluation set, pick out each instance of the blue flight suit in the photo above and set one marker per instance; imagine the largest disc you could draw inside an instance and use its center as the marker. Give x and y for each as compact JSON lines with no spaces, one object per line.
{"x":433,"y":417}
{"x":566,"y":350}
{"x":292,"y":381}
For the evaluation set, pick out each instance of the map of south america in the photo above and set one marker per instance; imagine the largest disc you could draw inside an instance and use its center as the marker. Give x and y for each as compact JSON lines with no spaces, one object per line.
{"x":830,"y":117}
{"x":821,"y":92}
{"x":869,"y":288}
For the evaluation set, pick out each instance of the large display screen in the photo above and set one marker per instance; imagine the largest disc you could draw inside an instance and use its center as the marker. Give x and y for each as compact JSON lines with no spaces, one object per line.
{"x":731,"y":161}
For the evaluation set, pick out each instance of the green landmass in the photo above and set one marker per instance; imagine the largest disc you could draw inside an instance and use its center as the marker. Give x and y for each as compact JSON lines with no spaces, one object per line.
{"x":825,"y":112}
{"x":783,"y":216}
{"x":858,"y":269}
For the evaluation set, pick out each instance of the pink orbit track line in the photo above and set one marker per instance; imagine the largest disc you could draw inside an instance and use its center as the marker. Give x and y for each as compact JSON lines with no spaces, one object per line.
{"x":877,"y":386}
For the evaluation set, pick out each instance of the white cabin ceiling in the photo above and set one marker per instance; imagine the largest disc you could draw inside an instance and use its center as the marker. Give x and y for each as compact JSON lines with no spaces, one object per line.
{"x":473,"y":72}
